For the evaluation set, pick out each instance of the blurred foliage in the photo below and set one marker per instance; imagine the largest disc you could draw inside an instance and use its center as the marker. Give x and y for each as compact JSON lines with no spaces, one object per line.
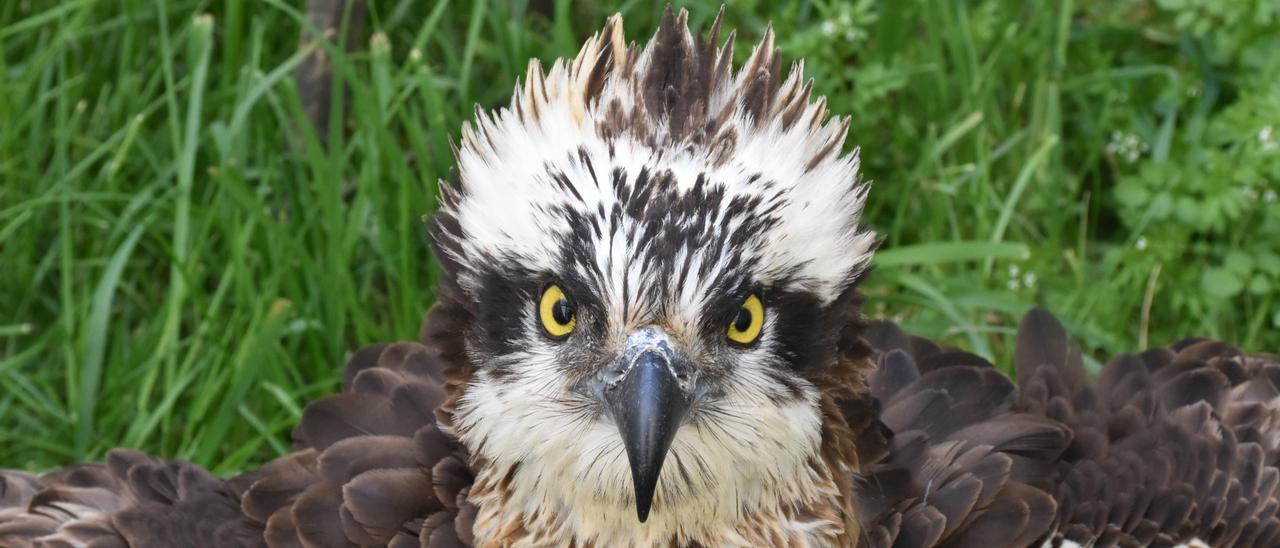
{"x":1163,"y":177}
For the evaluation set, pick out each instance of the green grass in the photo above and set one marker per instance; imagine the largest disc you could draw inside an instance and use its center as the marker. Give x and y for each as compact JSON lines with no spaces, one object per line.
{"x":186,"y":261}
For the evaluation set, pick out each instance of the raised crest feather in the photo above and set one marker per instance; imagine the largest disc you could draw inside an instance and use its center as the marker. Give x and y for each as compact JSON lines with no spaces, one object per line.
{"x":668,"y":119}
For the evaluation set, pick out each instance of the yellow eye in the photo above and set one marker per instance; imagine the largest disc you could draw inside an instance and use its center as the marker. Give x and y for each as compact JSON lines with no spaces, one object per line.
{"x":556,"y":312}
{"x":747,"y":323}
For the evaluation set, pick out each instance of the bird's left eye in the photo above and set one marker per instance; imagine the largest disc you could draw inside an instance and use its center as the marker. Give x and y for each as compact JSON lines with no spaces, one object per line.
{"x":556,"y":312}
{"x":747,"y":322}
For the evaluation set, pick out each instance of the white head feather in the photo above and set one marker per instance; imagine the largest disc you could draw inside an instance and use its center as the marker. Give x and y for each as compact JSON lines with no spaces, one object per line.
{"x":657,"y":176}
{"x":602,"y":111}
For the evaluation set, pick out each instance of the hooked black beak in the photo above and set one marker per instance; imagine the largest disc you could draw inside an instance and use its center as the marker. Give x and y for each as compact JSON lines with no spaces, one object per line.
{"x":648,"y":404}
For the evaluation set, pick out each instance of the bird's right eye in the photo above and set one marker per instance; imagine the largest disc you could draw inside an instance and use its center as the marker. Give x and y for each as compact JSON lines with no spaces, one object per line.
{"x":556,"y":312}
{"x":745,"y":327}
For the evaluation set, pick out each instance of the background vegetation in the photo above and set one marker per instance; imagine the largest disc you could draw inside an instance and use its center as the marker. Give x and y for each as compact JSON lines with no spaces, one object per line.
{"x":185,"y":259}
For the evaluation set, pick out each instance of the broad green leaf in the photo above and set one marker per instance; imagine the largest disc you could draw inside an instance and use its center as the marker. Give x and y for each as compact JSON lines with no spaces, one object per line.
{"x":1221,"y":282}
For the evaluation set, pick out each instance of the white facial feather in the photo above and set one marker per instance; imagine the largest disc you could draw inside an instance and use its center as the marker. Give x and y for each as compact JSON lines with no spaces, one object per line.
{"x":574,"y":474}
{"x":586,"y":138}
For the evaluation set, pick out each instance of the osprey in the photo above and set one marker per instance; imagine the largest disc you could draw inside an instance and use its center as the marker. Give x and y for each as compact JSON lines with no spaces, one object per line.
{"x":649,"y":334}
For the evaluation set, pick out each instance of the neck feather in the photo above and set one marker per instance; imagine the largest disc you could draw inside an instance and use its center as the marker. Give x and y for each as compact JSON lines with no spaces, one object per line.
{"x":814,"y":512}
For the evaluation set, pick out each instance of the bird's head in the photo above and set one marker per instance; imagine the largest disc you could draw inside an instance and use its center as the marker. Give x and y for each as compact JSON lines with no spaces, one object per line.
{"x":655,"y":252}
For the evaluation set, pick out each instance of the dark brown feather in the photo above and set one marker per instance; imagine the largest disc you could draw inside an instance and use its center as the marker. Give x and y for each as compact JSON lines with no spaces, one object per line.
{"x":363,"y":474}
{"x":1171,"y":445}
{"x":960,"y":457}
{"x":1157,"y":455}
{"x":374,"y":481}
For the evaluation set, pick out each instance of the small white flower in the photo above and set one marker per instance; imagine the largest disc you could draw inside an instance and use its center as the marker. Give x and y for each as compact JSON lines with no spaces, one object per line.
{"x":828,"y":27}
{"x":379,"y":43}
{"x":850,"y":36}
{"x":1014,"y":271}
{"x":1029,"y":279}
{"x":1264,"y":134}
{"x":1249,"y":193}
{"x":1127,"y":145}
{"x":1141,"y":244}
{"x":1014,"y":285}
{"x":1269,"y":197}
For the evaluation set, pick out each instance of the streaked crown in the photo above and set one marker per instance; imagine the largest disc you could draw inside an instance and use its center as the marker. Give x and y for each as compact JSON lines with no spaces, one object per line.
{"x":628,"y":162}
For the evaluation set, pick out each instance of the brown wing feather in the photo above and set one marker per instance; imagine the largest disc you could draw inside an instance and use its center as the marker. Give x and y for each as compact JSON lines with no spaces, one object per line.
{"x":132,"y":500}
{"x":385,"y":472}
{"x":374,"y":466}
{"x":1171,"y":445}
{"x":963,"y":465}
{"x":1166,"y":446}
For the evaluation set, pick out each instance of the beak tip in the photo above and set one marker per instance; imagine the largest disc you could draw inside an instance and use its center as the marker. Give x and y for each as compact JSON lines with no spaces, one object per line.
{"x":644,"y":498}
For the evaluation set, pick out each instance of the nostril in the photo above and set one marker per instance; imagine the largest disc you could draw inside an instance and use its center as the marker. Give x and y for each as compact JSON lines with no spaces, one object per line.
{"x":613,"y":373}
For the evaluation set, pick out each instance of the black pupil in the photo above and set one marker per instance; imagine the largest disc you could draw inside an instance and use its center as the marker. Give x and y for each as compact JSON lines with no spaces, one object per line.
{"x":743,"y":320}
{"x":562,"y":311}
